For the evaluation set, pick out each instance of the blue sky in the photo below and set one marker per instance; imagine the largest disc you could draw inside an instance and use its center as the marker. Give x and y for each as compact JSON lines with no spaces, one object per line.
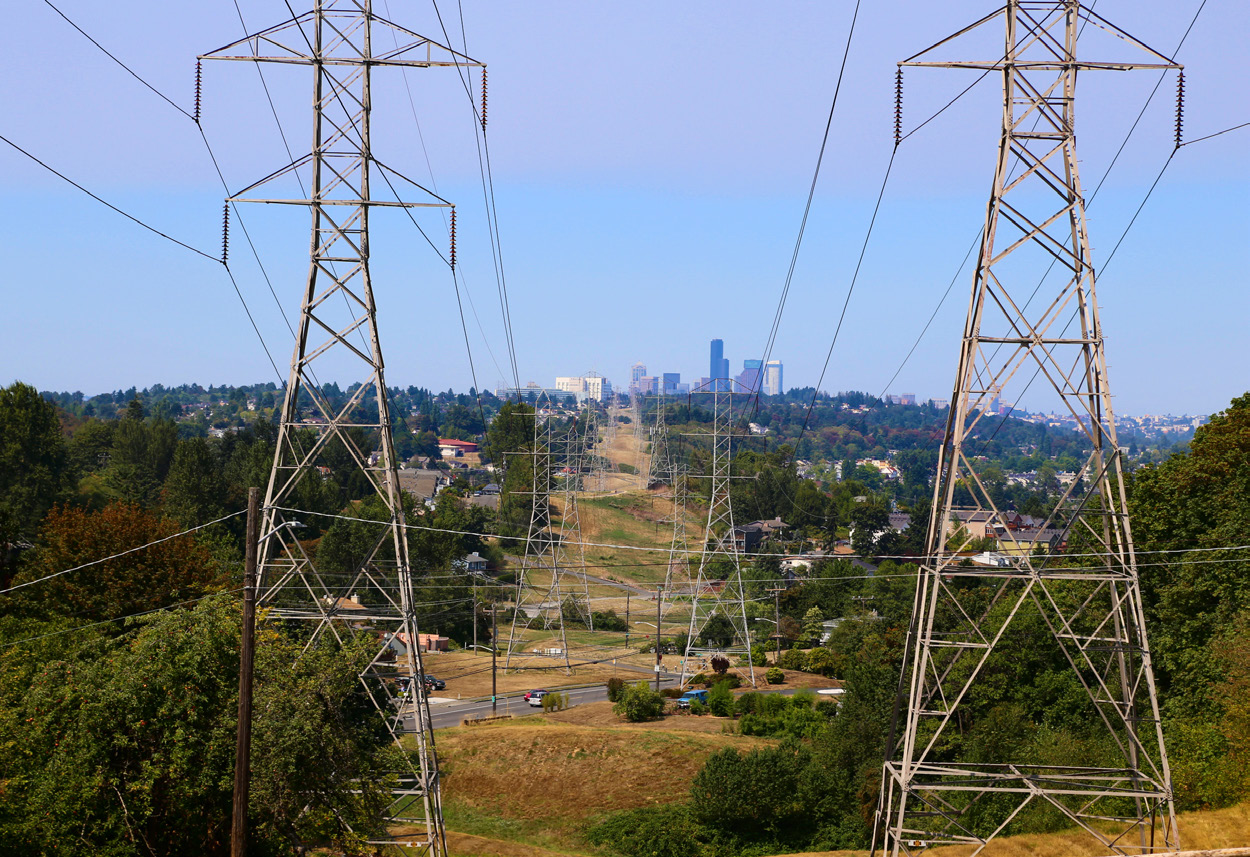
{"x":650,"y":165}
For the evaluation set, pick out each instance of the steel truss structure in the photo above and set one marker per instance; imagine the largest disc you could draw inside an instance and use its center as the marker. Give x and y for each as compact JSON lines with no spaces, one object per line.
{"x":554,"y":566}
{"x":713,"y":595}
{"x":1018,"y":332}
{"x":338,"y":330}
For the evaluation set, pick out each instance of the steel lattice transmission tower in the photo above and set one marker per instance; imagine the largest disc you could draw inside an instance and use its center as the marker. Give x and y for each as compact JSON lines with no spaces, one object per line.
{"x":1018,"y":332}
{"x":712,"y":595}
{"x":538,"y":592}
{"x":338,"y":332}
{"x":571,"y":551}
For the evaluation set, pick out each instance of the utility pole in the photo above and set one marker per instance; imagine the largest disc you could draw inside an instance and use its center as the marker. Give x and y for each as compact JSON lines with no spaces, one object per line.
{"x":1035,"y":225}
{"x":494,"y":651}
{"x":243,"y":741}
{"x":659,"y":599}
{"x":627,"y":619}
{"x":777,"y":621}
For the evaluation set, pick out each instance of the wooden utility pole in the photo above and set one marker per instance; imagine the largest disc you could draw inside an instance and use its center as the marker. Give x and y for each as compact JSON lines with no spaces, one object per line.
{"x":659,"y":599}
{"x":627,"y":619}
{"x":243,"y":743}
{"x":777,"y":621}
{"x":494,"y":650}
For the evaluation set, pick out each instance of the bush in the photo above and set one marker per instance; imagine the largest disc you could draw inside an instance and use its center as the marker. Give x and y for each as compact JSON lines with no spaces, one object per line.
{"x":627,"y":468}
{"x":759,"y":657}
{"x":697,"y":707}
{"x":720,"y":664}
{"x":699,"y":678}
{"x":615,"y":687}
{"x":746,"y":704}
{"x":794,"y":659}
{"x":732,"y":679}
{"x":820,"y":660}
{"x":720,"y":699}
{"x":774,"y":676}
{"x":555,"y":702}
{"x":656,"y":831}
{"x":639,"y":703}
{"x":607,"y":620}
{"x":671,"y":693}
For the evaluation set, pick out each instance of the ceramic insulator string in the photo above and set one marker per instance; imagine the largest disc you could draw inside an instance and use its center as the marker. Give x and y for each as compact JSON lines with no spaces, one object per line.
{"x":1180,"y":106}
{"x":225,"y":233}
{"x":898,"y":107}
{"x":199,"y":79}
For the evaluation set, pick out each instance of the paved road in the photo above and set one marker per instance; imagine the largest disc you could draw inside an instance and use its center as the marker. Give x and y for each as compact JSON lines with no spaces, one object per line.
{"x":445,"y":714}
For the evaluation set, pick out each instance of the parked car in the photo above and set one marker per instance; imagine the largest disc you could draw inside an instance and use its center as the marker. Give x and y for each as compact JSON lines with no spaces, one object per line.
{"x":690,"y":696}
{"x":535,"y":697}
{"x":434,"y":682}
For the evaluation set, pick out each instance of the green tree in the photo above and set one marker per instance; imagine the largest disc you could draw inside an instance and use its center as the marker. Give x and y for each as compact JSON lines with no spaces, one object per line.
{"x":33,"y":467}
{"x":639,"y":703}
{"x":720,"y":699}
{"x":125,"y":745}
{"x":155,"y":570}
{"x":195,"y":489}
{"x":813,"y":624}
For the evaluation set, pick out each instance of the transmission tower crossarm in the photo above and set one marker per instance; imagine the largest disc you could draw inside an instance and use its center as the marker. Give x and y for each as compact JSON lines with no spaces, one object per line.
{"x":1093,"y":610}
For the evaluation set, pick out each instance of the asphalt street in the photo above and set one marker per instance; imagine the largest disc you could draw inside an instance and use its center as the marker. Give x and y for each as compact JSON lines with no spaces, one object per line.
{"x":452,"y":712}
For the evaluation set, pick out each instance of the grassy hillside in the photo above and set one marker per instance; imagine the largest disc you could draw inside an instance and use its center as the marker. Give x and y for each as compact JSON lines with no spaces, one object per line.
{"x":539,"y":780}
{"x":529,"y":787}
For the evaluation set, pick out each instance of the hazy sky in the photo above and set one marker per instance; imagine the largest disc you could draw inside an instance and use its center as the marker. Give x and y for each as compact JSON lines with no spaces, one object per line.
{"x":651,"y":162}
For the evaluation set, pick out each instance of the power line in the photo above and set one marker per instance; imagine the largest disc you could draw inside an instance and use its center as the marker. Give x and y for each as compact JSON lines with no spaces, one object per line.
{"x":128,"y":69}
{"x":123,"y":553}
{"x":807,"y":208}
{"x":110,"y":205}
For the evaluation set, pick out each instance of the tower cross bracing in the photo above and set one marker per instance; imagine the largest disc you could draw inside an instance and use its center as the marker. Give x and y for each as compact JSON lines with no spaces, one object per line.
{"x":338,"y":332}
{"x":1021,"y":330}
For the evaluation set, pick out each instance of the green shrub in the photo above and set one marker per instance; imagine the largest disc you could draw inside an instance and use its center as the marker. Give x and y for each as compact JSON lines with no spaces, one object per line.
{"x":639,"y":703}
{"x":759,"y":657}
{"x":697,"y":707}
{"x":615,"y":687}
{"x":626,"y":468}
{"x":774,"y":675}
{"x":732,"y":679}
{"x":820,"y":660}
{"x":671,"y":692}
{"x":720,"y":699}
{"x":746,"y":703}
{"x":794,"y":659}
{"x":699,"y":678}
{"x":655,"y":831}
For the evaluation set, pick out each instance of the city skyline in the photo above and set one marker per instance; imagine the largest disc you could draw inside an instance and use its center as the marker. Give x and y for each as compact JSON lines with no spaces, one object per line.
{"x":615,"y":194}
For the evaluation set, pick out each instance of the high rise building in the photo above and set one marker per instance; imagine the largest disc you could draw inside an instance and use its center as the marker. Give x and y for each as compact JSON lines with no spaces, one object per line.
{"x":718,"y":359}
{"x":638,"y":370}
{"x":773,"y":383}
{"x":749,"y":378}
{"x":672,"y":381}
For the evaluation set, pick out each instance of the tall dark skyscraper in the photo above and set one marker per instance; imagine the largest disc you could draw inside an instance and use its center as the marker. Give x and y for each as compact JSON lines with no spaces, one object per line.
{"x":718,"y":359}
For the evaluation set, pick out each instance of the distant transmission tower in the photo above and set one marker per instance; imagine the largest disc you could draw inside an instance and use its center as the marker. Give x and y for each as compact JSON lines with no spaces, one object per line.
{"x":1017,"y":333}
{"x":660,"y":466}
{"x":571,"y":550}
{"x":718,"y":591}
{"x":539,"y":597}
{"x":338,"y":331}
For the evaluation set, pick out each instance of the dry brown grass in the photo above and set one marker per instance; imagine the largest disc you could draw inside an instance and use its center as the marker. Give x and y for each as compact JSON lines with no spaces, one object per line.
{"x":468,"y":675}
{"x":1210,"y":829}
{"x":541,"y":768}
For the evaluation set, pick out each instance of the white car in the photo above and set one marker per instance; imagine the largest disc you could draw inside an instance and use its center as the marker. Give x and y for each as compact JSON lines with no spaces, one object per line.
{"x":535,"y":697}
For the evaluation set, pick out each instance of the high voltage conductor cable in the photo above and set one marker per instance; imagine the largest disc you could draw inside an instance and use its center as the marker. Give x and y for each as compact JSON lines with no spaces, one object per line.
{"x":643,"y":549}
{"x":194,"y":118}
{"x":850,"y":291}
{"x":434,"y":185}
{"x":488,"y":197}
{"x":128,"y":69}
{"x":79,"y":628}
{"x":110,"y":205}
{"x":807,"y":208}
{"x":1216,"y":134}
{"x":122,"y":553}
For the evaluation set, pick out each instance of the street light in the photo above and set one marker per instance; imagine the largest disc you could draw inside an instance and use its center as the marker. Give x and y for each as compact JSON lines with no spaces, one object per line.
{"x":776,"y":636}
